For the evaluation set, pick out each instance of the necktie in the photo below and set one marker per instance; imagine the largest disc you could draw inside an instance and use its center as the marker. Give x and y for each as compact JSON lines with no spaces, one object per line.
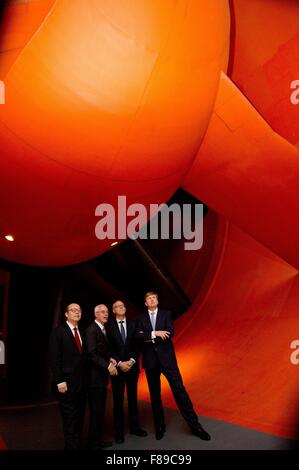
{"x":122,"y":331}
{"x":152,"y":318}
{"x":77,"y":339}
{"x":104,"y":331}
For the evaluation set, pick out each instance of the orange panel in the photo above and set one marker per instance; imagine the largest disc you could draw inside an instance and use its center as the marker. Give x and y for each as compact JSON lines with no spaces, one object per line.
{"x":265,"y":59}
{"x":249,"y":174}
{"x":233,"y":344}
{"x":106,"y":99}
{"x":19,"y":23}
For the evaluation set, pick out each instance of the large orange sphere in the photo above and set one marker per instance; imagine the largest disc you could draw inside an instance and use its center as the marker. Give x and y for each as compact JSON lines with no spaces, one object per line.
{"x":102,"y":99}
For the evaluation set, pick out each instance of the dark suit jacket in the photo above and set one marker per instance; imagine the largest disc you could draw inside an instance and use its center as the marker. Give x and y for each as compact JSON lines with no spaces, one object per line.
{"x":123,"y":351}
{"x":98,"y":355}
{"x":67,"y":363}
{"x":158,"y":352}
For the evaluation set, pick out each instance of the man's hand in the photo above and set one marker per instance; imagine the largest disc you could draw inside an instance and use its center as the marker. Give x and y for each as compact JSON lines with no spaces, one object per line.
{"x":62,"y":388}
{"x":125,"y":366}
{"x":162,"y":334}
{"x":112,"y":369}
{"x":113,"y":361}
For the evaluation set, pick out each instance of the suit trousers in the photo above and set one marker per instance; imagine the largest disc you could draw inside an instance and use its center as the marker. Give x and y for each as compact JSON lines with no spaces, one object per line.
{"x":97,"y":401}
{"x":119,"y":383}
{"x":179,"y":392}
{"x":72,"y":409}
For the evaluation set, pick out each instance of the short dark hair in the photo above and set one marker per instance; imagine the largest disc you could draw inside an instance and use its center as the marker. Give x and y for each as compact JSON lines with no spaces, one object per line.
{"x":68,"y":306}
{"x":150,"y":293}
{"x":118,"y":300}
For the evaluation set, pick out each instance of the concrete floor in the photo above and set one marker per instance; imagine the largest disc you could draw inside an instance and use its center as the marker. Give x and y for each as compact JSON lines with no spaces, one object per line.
{"x":39,"y":427}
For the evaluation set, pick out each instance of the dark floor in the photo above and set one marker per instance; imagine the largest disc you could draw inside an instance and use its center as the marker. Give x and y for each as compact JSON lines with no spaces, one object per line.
{"x":39,"y":428}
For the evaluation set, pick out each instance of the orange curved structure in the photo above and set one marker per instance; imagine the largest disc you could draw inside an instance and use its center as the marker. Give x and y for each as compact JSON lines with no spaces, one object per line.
{"x":126,"y":97}
{"x":264,"y":60}
{"x":104,"y":99}
{"x":249,"y":173}
{"x":234,"y":344}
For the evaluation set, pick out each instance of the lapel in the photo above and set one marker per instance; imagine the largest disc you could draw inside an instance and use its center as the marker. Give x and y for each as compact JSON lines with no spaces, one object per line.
{"x":130,"y":329}
{"x":82,"y":334}
{"x":119,"y":335}
{"x":117,"y":332}
{"x":99,"y":330}
{"x":158,"y":320}
{"x":148,"y":321}
{"x":69,"y":333}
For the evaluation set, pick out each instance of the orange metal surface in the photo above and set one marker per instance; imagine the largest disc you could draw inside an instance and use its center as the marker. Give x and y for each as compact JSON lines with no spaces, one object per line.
{"x":233,"y":344}
{"x":105,"y":99}
{"x":20,"y":22}
{"x":249,"y":173}
{"x":112,"y":98}
{"x":265,"y":58}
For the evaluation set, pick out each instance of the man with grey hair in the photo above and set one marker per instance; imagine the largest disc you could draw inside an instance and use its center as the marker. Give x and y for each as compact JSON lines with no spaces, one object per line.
{"x":100,"y":366}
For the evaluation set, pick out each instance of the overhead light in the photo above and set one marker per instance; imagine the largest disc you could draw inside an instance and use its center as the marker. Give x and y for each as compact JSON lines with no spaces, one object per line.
{"x":10,"y":238}
{"x":114,"y":243}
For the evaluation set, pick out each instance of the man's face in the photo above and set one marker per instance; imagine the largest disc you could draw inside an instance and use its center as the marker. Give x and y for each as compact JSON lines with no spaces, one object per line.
{"x":119,"y":308}
{"x":101,"y":314}
{"x":73,"y":313}
{"x":151,"y":302}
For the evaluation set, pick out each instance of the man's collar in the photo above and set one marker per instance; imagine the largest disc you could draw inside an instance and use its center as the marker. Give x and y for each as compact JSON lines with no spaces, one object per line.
{"x":72,"y":326}
{"x":152,"y":312}
{"x":100,"y":325}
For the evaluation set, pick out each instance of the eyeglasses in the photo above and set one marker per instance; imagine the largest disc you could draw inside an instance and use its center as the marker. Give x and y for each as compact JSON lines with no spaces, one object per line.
{"x":74,"y":310}
{"x":119,"y":306}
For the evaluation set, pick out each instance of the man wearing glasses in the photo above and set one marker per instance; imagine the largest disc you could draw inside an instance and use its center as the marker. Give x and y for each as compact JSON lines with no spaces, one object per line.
{"x":121,"y":333}
{"x":67,"y":355}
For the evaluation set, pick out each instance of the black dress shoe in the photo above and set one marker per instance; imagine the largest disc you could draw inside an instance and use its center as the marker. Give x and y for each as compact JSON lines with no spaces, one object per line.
{"x":105,"y":444}
{"x":138,"y":432}
{"x":119,"y":439}
{"x":199,"y":431}
{"x":160,"y":433}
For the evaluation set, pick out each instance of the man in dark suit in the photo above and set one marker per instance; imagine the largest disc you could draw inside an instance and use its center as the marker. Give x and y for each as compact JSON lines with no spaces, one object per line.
{"x":121,"y":333}
{"x":155,"y":329}
{"x":67,"y":358}
{"x":100,"y":366}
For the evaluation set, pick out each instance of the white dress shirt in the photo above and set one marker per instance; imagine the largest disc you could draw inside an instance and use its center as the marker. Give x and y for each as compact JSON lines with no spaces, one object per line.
{"x":72,"y":330}
{"x":125,"y":327}
{"x":153,"y":315}
{"x":104,"y":333}
{"x":101,"y":326}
